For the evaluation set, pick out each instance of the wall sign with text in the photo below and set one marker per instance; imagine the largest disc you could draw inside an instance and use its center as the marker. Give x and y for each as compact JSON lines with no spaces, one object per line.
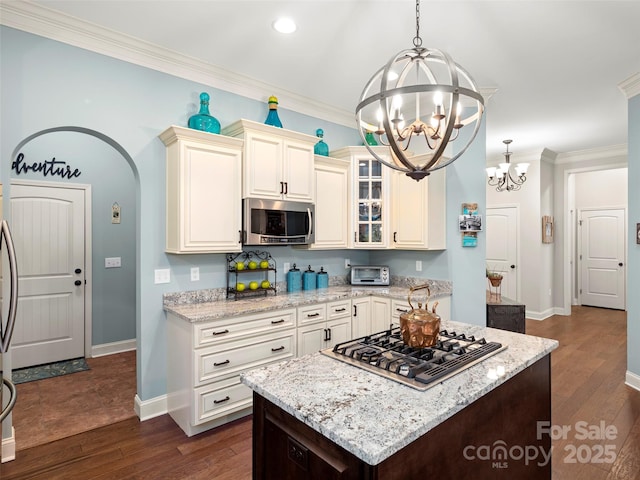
{"x":53,"y":167}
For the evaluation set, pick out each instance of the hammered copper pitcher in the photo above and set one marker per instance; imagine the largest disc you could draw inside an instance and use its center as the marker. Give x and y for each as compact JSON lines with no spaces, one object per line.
{"x":420,"y":327}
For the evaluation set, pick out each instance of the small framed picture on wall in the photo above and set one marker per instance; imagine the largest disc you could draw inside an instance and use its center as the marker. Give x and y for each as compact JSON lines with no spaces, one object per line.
{"x":547,"y":229}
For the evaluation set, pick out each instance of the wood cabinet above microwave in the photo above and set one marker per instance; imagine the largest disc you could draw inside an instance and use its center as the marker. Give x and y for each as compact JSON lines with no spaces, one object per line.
{"x":278,"y":163}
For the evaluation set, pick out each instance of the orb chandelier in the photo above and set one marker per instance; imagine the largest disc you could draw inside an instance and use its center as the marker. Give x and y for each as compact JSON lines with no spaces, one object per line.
{"x":501,"y":177}
{"x":416,"y":104}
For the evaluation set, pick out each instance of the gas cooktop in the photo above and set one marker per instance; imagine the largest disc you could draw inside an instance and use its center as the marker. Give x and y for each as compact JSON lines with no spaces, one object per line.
{"x":385,"y":353}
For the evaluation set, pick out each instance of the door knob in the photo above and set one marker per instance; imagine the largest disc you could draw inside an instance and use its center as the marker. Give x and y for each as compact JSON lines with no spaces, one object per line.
{"x":77,"y":283}
{"x":78,"y":270}
{"x":620,"y":264}
{"x":513,"y":266}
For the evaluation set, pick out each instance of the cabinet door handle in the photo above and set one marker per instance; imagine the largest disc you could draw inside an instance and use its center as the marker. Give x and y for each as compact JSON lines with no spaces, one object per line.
{"x":403,"y":310}
{"x":395,"y":234}
{"x":219,"y":364}
{"x":281,"y":188}
{"x":325,"y":335}
{"x":225,"y":399}
{"x":355,"y":310}
{"x":329,"y":330}
{"x":340,"y":310}
{"x":286,"y":188}
{"x":278,"y":349}
{"x":311,"y":315}
{"x":220,"y":333}
{"x":276,"y":322}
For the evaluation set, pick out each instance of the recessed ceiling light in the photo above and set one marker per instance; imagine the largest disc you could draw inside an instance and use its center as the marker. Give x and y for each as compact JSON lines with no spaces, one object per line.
{"x":284,"y":25}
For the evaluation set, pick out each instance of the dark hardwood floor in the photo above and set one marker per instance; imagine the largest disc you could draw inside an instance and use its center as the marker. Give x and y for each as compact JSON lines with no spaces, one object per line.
{"x":588,"y":372}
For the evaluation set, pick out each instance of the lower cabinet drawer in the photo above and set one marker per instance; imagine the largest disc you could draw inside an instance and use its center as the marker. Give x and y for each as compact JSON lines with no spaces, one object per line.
{"x":217,"y":363}
{"x":220,"y":398}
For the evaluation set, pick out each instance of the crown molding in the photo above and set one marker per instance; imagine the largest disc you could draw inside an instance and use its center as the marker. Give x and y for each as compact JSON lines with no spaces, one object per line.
{"x":631,"y":86}
{"x":48,"y":23}
{"x":601,"y":153}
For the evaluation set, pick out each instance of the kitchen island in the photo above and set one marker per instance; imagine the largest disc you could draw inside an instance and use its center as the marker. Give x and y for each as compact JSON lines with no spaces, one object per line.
{"x":316,"y":417}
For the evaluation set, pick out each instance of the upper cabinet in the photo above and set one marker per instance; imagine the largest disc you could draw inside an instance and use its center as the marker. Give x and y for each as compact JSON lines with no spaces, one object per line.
{"x":370,"y":201}
{"x":389,"y":209}
{"x":203,"y":171}
{"x":419,"y":210}
{"x":278,"y":163}
{"x":331,"y":193}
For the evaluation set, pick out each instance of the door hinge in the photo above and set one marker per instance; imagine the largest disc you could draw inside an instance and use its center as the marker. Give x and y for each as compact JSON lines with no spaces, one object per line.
{"x":580,"y":256}
{"x":580,"y":291}
{"x":580,"y":222}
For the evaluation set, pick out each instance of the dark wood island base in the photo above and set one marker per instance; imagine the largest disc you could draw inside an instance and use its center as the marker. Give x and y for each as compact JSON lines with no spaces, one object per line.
{"x":497,"y":436}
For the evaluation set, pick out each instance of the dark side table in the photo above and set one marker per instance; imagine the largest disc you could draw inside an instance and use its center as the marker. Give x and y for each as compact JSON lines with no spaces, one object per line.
{"x":504,"y":313}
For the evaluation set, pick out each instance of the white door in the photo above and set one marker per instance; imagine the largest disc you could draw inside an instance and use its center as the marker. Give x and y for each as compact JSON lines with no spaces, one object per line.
{"x":602,"y":258}
{"x":502,"y":247}
{"x":48,"y":232}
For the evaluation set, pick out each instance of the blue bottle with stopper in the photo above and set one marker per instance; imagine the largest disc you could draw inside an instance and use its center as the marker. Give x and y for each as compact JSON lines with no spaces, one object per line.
{"x":309,"y":279}
{"x":203,"y":120}
{"x":322,"y":279}
{"x":321,"y":148}
{"x":272,"y":117}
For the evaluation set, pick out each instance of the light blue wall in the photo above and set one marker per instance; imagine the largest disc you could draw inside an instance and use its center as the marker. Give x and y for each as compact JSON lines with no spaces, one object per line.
{"x":633,"y":272}
{"x":46,"y":84}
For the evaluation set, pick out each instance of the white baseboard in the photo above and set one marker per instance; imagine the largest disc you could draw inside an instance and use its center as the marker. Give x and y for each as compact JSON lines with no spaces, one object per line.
{"x":9,"y":447}
{"x":149,"y":409}
{"x":539,"y":315}
{"x":633,"y":380}
{"x":114,"y":347}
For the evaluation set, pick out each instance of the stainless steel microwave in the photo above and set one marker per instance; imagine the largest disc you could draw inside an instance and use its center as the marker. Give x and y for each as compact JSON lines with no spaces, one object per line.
{"x":278,"y":222}
{"x":370,"y":275}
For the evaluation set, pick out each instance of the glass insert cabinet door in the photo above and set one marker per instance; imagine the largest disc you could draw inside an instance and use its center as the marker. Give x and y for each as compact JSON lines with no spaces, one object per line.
{"x":371,"y":206}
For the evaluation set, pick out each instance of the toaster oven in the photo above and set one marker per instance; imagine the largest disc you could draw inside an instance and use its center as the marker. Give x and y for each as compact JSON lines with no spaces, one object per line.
{"x":370,"y":275}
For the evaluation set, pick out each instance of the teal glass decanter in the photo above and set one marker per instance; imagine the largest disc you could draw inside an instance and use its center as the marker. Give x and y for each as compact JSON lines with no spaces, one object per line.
{"x":272,"y":118}
{"x":203,"y":120}
{"x":321,"y":148}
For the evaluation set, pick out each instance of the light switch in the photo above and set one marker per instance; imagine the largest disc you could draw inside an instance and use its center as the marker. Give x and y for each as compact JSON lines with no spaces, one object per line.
{"x":112,"y":262}
{"x":162,"y":275}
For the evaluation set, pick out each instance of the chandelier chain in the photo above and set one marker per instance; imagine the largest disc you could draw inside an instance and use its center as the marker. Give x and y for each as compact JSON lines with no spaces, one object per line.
{"x":417,"y":41}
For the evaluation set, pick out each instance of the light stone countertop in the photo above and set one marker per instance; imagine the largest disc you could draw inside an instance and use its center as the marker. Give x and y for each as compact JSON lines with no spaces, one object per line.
{"x":195,"y":312}
{"x":373,"y":417}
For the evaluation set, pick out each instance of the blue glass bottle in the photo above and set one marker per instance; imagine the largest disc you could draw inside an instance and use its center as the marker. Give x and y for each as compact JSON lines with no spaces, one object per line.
{"x":273,"y":118}
{"x":202,"y":120}
{"x":321,"y":148}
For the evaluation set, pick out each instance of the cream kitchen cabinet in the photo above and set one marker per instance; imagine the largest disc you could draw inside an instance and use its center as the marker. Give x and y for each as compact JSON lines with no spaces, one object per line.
{"x":278,"y":163}
{"x":380,"y":314}
{"x":332,"y":205}
{"x":370,"y":199}
{"x":205,"y":361}
{"x":419,"y":211}
{"x":361,"y":316}
{"x":203,"y":171}
{"x":322,"y":326}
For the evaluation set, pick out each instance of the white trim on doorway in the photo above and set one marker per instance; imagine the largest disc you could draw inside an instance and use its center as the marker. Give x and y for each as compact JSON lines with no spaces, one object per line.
{"x":570,"y":215}
{"x":87,"y":252}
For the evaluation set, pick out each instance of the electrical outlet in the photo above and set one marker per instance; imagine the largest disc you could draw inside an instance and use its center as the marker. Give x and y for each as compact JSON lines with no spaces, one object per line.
{"x":112,"y":262}
{"x":162,"y":275}
{"x":418,"y":265}
{"x":347,"y":263}
{"x":286,"y":266}
{"x":195,"y":274}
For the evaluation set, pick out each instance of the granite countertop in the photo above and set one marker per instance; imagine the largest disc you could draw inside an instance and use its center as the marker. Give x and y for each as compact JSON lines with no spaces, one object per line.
{"x":373,"y":417}
{"x":195,"y":312}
